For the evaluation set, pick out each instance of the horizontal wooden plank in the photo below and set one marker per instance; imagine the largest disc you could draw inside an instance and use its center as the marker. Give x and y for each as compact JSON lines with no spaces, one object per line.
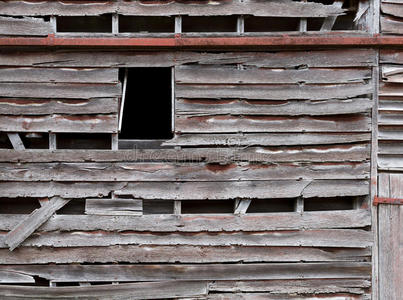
{"x":245,"y":123}
{"x":180,"y":254}
{"x":393,"y":74}
{"x":60,"y":123}
{"x":390,"y":104}
{"x":144,"y":290}
{"x":113,"y":207}
{"x":386,"y":117}
{"x":392,"y":9}
{"x":15,"y":277}
{"x":196,"y":74}
{"x":332,"y":153}
{"x":393,"y":147}
{"x":265,"y":139}
{"x":88,"y":273}
{"x":390,"y":161}
{"x":286,"y":296}
{"x":67,"y":75}
{"x":391,"y":25}
{"x":24,"y":26}
{"x":190,"y":190}
{"x":60,"y":90}
{"x":391,"y":56}
{"x":386,"y":133}
{"x":200,"y":223}
{"x":180,"y":172}
{"x":248,"y":107}
{"x":250,"y":7}
{"x":285,"y":59}
{"x":22,"y":106}
{"x":273,"y":92}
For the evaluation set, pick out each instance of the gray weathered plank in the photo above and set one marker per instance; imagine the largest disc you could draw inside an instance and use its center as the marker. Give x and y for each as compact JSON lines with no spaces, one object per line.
{"x":245,"y":123}
{"x":67,"y":75}
{"x":144,"y":290}
{"x":24,"y":27}
{"x":391,"y":56}
{"x":22,"y":106}
{"x":392,"y":74}
{"x":16,"y":141}
{"x":245,"y":107}
{"x":113,"y":207}
{"x":60,"y":123}
{"x":392,"y":9}
{"x":72,"y":273}
{"x":199,"y":223}
{"x":60,"y":90}
{"x":39,"y":216}
{"x":391,"y":26}
{"x":171,"y":172}
{"x":273,"y":92}
{"x":272,"y":139}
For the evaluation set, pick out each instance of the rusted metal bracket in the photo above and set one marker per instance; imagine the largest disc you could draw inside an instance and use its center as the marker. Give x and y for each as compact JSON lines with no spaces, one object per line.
{"x":385,"y":200}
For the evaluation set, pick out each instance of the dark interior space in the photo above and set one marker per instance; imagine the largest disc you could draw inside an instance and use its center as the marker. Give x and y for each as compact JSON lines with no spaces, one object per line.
{"x":147,"y":112}
{"x":270,"y":24}
{"x":146,"y":24}
{"x":208,"y":207}
{"x":5,"y":141}
{"x":84,"y":24}
{"x":332,"y":203}
{"x":18,"y":205}
{"x":271,"y":205}
{"x":209,"y":24}
{"x":152,"y":207}
{"x":83,"y":141}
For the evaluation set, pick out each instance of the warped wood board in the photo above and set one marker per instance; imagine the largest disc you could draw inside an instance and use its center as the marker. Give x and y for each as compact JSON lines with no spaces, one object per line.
{"x":24,"y":26}
{"x":304,"y":286}
{"x":113,"y":207}
{"x":393,"y":74}
{"x":200,"y":223}
{"x":353,"y":152}
{"x":101,"y":123}
{"x":66,"y":75}
{"x":286,"y":296}
{"x":392,"y":9}
{"x":24,"y":106}
{"x":64,"y":190}
{"x":390,"y":104}
{"x":144,"y":290}
{"x":195,"y":74}
{"x":29,"y":224}
{"x":181,"y":171}
{"x":121,"y":59}
{"x":348,"y":238}
{"x":60,"y":90}
{"x":278,"y":8}
{"x":272,"y":92}
{"x":394,"y":118}
{"x":245,"y":189}
{"x":94,"y":273}
{"x":391,"y":56}
{"x":390,"y":147}
{"x":391,"y":133}
{"x":390,"y":237}
{"x":244,"y":123}
{"x":204,"y":107}
{"x":268,"y":139}
{"x":179,"y":254}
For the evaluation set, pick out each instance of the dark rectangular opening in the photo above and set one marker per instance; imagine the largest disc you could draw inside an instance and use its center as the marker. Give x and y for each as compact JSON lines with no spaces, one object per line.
{"x":271,"y":205}
{"x":270,"y":24}
{"x":331,"y":203}
{"x":146,"y":24}
{"x":84,"y":24}
{"x":209,"y":24}
{"x":18,"y":205}
{"x":5,"y":141}
{"x":83,"y":141}
{"x":208,"y":207}
{"x":147,"y":111}
{"x":153,"y":207}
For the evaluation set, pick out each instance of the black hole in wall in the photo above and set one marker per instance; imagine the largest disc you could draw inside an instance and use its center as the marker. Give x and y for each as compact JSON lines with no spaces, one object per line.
{"x":83,"y":141}
{"x":314,"y":24}
{"x":147,"y":112}
{"x":74,"y":207}
{"x":270,"y":24}
{"x":18,"y":205}
{"x":84,"y":24}
{"x":207,"y":206}
{"x":209,"y":24}
{"x":332,"y":203}
{"x":271,"y":205}
{"x":152,"y":207}
{"x":146,"y":24}
{"x":35,"y":140}
{"x":5,"y":141}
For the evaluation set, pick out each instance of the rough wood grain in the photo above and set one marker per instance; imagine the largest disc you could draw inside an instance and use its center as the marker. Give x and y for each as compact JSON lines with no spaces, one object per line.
{"x":39,"y":216}
{"x":16,"y":141}
{"x":60,"y":123}
{"x":113,"y":207}
{"x":179,"y":254}
{"x":72,"y":273}
{"x":24,"y":26}
{"x":392,"y":9}
{"x":200,"y":223}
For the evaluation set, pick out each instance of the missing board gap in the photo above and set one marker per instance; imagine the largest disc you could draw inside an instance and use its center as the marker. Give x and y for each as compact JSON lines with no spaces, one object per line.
{"x":83,"y":141}
{"x":154,"y":207}
{"x":146,"y":106}
{"x":74,"y":207}
{"x":209,"y":24}
{"x":146,"y":24}
{"x":332,"y":203}
{"x":208,"y":207}
{"x":94,"y":24}
{"x":35,"y":140}
{"x":271,"y":24}
{"x":271,"y":205}
{"x":5,"y":141}
{"x":18,"y":205}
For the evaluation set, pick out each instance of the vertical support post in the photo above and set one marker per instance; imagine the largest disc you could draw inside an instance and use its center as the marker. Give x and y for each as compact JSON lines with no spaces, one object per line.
{"x":173,"y":114}
{"x":53,"y":23}
{"x":115,"y":141}
{"x":240,"y":25}
{"x":115,"y":23}
{"x":299,"y":205}
{"x":177,"y":207}
{"x":52,"y":141}
{"x":122,"y":103}
{"x":178,"y":25}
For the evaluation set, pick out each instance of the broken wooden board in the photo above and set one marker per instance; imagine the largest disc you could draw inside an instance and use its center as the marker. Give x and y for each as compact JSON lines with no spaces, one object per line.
{"x":114,"y":207}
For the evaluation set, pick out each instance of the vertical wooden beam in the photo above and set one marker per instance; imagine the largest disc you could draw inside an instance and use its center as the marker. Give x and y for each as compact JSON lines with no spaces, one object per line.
{"x":52,"y":141}
{"x":53,"y":23}
{"x":115,"y":23}
{"x":240,"y":25}
{"x":177,"y":207}
{"x":122,"y":102}
{"x":178,"y":25}
{"x":115,"y":141}
{"x":173,"y":100}
{"x":16,"y":141}
{"x":299,"y":205}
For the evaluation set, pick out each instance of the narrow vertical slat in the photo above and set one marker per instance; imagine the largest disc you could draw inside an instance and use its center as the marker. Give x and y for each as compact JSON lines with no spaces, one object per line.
{"x":16,"y":141}
{"x":115,"y":23}
{"x":52,"y":141}
{"x":122,"y":103}
{"x":240,"y":25}
{"x":178,"y":25}
{"x":115,"y":141}
{"x":177,"y":207}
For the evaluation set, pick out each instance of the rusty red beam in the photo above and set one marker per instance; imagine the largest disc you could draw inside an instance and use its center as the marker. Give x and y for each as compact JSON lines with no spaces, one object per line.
{"x":179,"y":41}
{"x":384,"y":200}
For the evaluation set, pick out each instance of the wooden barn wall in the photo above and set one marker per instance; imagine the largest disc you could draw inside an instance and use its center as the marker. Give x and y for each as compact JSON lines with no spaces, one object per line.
{"x":272,"y":126}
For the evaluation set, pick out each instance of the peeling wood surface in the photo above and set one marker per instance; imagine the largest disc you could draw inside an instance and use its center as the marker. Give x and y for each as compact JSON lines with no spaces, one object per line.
{"x":24,"y":26}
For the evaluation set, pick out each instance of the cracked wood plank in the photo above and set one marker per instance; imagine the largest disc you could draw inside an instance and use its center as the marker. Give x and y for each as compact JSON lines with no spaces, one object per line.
{"x":24,"y":26}
{"x":39,"y":216}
